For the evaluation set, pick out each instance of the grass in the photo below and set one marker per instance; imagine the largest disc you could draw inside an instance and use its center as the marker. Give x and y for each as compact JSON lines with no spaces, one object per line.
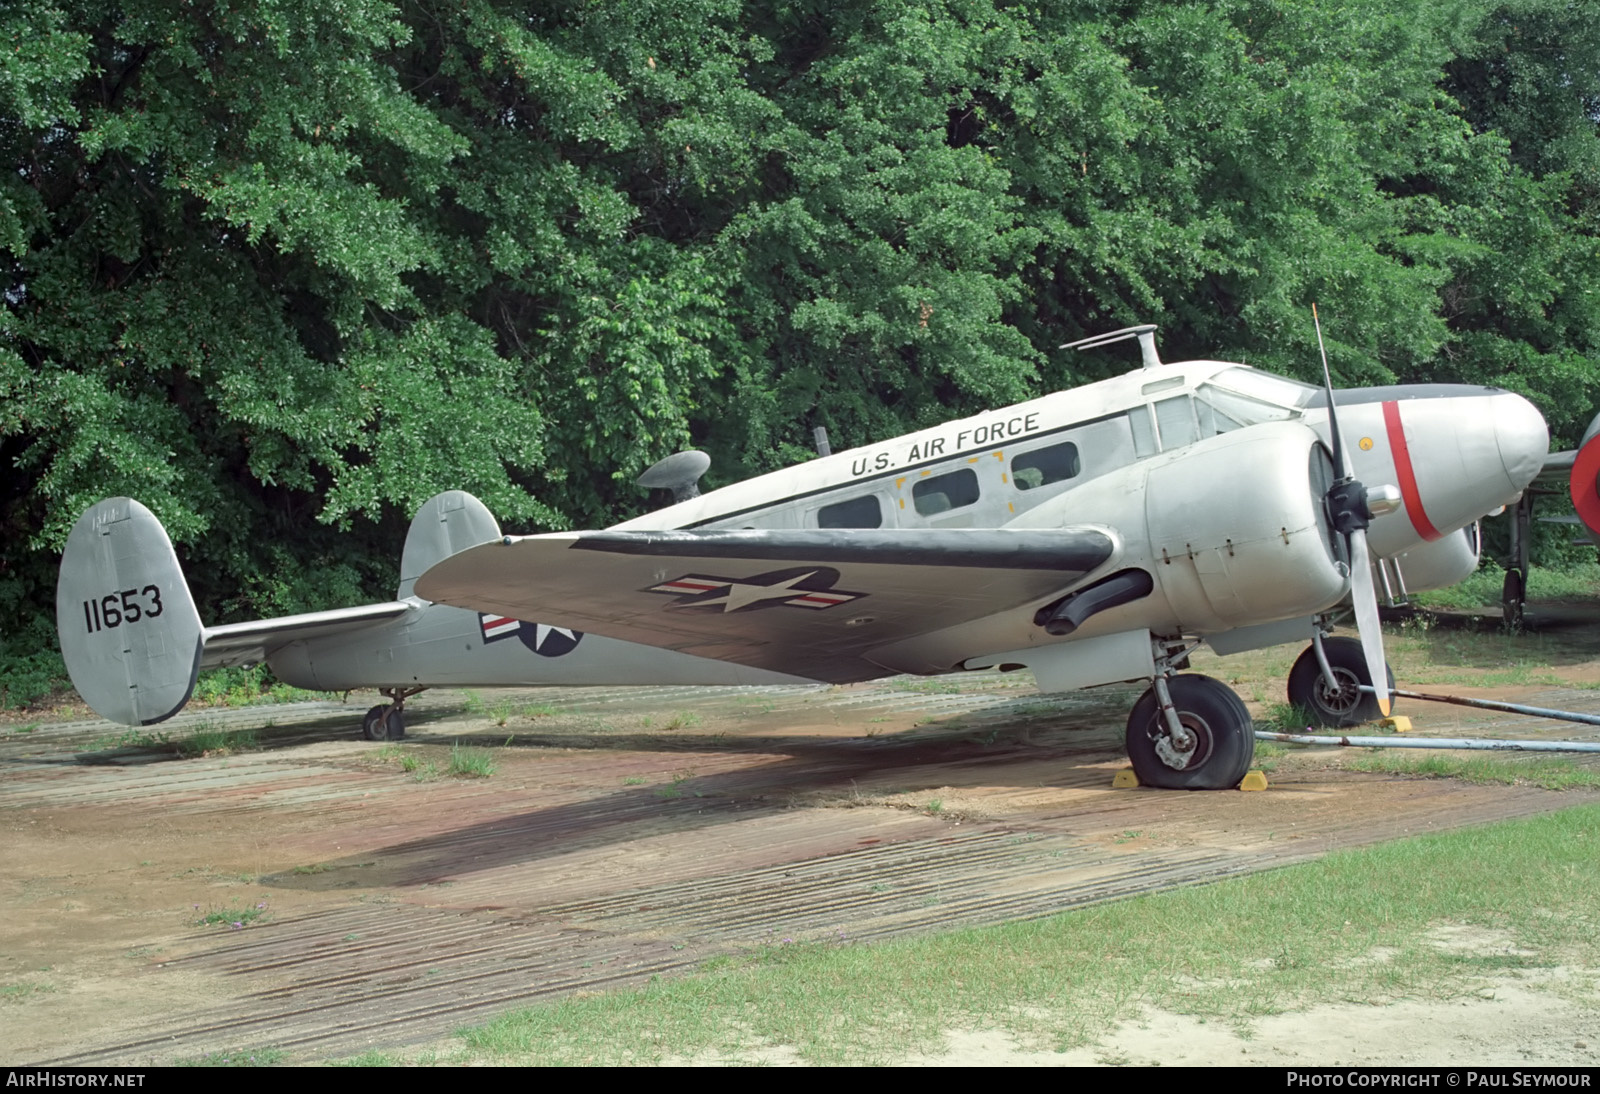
{"x":470,"y":763}
{"x":1285,"y":718}
{"x":1481,"y":591}
{"x":240,"y":1057}
{"x":674,"y":789}
{"x":372,"y":1058}
{"x":420,"y":771}
{"x":233,"y":916}
{"x":128,"y":738}
{"x":35,"y":678}
{"x":464,"y":762}
{"x":1541,"y":771}
{"x":1062,"y":982}
{"x":242,"y":687}
{"x":1268,"y":753}
{"x":205,"y":739}
{"x":24,"y":989}
{"x":210,"y":740}
{"x":934,"y":685}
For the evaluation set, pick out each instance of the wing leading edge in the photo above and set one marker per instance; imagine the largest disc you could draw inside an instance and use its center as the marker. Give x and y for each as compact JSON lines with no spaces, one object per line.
{"x":811,"y":603}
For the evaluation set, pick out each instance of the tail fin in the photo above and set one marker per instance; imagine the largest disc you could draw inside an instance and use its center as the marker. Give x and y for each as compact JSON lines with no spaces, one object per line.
{"x":129,"y":629}
{"x":447,"y":524}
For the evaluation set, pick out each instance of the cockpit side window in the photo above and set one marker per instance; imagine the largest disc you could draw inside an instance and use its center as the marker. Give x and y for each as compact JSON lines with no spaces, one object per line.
{"x":1222,"y":410}
{"x":1175,"y":422}
{"x":1279,"y":391}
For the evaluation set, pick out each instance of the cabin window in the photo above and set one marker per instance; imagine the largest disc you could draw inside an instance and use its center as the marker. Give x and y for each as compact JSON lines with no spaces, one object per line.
{"x":1043,"y":466}
{"x":943,"y":493}
{"x":855,"y":513}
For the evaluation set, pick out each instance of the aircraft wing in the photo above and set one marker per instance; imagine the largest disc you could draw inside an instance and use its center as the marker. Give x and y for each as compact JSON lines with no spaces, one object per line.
{"x":813,"y":603}
{"x":249,"y":643}
{"x":1557,"y":469}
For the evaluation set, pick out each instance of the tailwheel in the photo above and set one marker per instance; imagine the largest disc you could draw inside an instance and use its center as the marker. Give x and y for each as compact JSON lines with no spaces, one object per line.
{"x":1339,"y":706}
{"x":1217,"y":744}
{"x":383,"y":723}
{"x":386,"y":722}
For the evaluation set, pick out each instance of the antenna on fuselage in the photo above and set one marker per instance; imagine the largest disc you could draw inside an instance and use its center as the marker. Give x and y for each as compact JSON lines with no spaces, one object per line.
{"x":1145,"y":333}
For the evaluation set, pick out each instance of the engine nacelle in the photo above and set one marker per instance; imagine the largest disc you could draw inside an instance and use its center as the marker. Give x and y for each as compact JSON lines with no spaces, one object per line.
{"x":1440,"y":564}
{"x":1220,"y":559}
{"x":1256,"y":554}
{"x":1584,"y":480}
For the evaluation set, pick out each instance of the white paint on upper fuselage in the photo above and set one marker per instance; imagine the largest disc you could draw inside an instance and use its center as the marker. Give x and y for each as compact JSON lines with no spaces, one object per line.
{"x":951,"y":445}
{"x":1468,"y":454}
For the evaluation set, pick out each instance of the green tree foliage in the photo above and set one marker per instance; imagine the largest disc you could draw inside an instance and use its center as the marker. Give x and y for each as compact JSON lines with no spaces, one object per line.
{"x":284,"y":269}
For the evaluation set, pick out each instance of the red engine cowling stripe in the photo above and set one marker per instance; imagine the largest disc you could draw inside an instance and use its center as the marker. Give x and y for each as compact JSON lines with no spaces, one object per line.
{"x":1408,"y":477}
{"x":1581,"y":483}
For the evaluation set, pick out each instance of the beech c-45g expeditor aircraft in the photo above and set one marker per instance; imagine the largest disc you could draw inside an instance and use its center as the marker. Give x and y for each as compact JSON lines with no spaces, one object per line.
{"x":1094,"y":536}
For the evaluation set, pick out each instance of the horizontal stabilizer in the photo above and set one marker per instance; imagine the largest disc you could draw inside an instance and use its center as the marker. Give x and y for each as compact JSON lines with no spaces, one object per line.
{"x":251,"y":642}
{"x":814,"y":603}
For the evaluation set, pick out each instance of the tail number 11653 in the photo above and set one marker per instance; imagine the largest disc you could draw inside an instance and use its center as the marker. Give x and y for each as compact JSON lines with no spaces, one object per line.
{"x":115,"y":609}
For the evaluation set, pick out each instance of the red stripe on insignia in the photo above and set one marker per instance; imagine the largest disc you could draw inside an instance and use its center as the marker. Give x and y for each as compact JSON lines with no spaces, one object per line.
{"x":1408,"y":477}
{"x":499,"y":621}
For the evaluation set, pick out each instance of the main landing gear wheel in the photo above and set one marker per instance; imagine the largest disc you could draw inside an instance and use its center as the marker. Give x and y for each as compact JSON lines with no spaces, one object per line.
{"x":383,"y":723}
{"x":1222,"y":736}
{"x":1347,"y":705}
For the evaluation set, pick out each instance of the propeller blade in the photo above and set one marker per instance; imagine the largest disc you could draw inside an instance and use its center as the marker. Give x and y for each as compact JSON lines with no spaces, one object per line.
{"x":1341,"y":465}
{"x":1350,"y":511}
{"x":1365,"y":599}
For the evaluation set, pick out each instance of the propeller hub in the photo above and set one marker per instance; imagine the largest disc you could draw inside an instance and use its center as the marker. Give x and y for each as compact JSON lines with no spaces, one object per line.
{"x":1383,"y":499}
{"x":1347,"y":507}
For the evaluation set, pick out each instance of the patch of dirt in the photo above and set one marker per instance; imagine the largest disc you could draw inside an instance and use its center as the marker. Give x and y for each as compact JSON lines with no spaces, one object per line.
{"x":1508,"y":1023}
{"x":627,"y":833}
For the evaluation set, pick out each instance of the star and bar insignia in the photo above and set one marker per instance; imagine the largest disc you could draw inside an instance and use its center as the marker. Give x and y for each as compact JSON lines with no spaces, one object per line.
{"x":800,"y":588}
{"x":541,"y":638}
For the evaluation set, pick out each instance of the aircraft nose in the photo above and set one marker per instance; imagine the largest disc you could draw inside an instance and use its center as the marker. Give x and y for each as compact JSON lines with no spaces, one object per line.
{"x":1522,"y":437}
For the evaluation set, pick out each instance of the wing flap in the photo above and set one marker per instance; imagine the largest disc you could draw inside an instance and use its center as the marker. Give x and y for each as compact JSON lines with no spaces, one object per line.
{"x":811,"y":603}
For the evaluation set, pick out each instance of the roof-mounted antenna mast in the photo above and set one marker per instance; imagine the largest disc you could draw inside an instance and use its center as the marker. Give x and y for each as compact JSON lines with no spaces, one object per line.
{"x":1145,"y":333}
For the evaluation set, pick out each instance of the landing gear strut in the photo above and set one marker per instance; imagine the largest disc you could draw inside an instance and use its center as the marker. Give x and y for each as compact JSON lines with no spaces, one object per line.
{"x":386,"y":722}
{"x":1514,"y":591}
{"x":1211,"y":746}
